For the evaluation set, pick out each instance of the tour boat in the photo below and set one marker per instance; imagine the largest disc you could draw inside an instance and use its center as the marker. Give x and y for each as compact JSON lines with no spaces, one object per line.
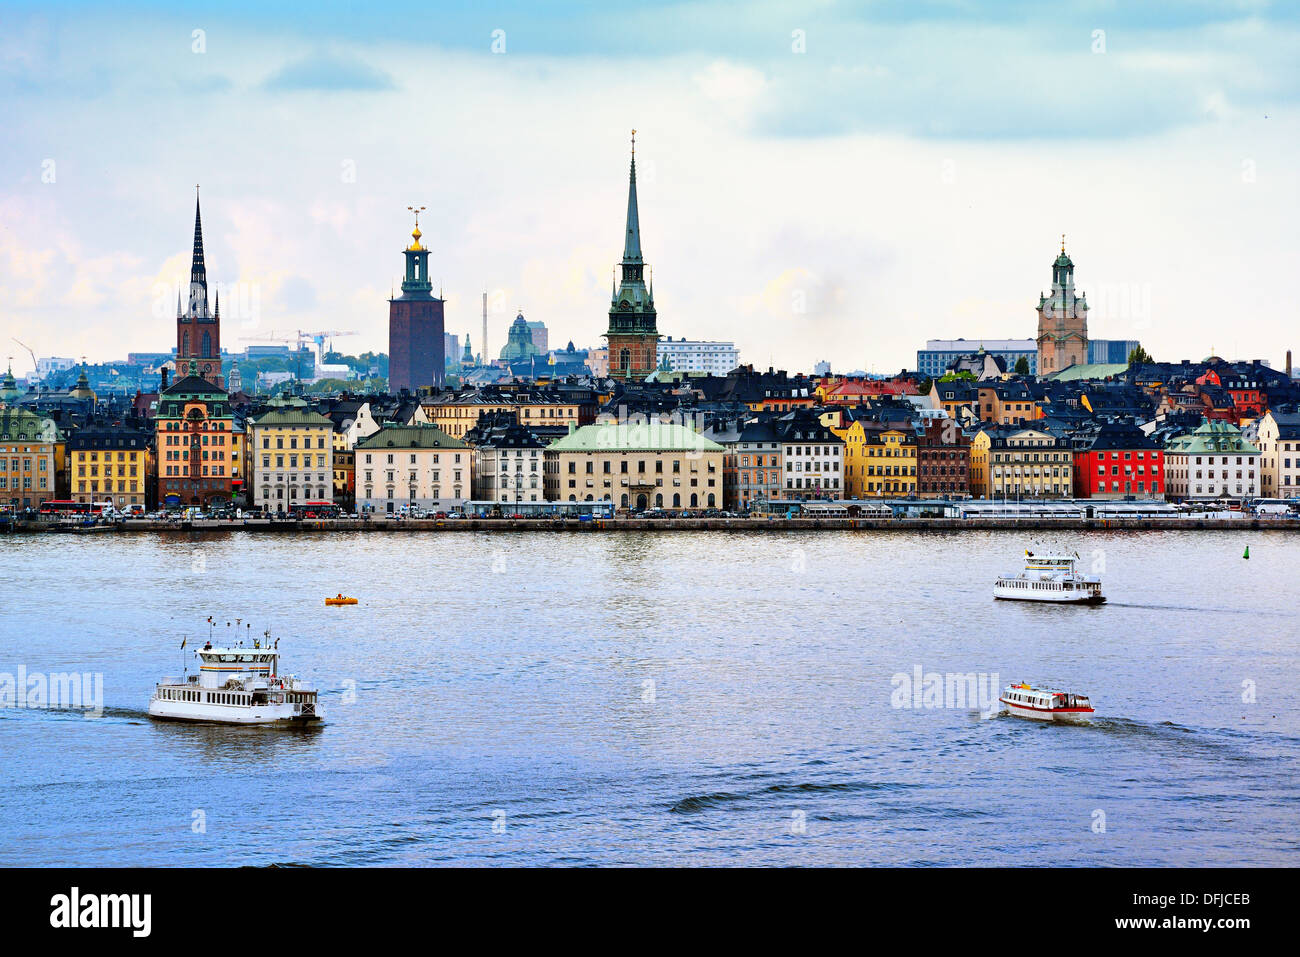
{"x":1049,"y":578}
{"x":237,"y":684}
{"x":340,"y":600}
{"x":1042,"y":704}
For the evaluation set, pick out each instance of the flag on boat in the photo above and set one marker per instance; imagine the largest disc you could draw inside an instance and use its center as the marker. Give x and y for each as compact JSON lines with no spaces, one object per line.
{"x":183,"y":640}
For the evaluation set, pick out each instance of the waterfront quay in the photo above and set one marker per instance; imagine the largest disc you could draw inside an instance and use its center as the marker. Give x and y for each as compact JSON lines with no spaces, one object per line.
{"x":755,"y":525}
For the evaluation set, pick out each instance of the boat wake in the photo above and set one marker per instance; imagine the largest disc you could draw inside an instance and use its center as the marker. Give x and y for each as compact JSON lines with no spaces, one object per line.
{"x":1220,"y":611}
{"x":76,"y":714}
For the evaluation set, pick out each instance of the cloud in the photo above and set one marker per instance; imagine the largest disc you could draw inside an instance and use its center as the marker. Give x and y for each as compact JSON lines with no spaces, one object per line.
{"x":328,"y":72}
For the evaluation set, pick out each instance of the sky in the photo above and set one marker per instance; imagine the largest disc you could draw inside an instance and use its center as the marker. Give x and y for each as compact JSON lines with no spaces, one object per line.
{"x":817,"y":181}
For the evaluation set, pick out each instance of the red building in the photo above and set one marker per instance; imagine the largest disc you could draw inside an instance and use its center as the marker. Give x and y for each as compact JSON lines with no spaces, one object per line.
{"x":415,"y":326}
{"x":942,"y":460}
{"x":1121,"y":461}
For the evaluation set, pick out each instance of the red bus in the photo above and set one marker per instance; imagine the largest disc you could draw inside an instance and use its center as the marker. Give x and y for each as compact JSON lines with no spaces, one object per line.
{"x":310,"y":510}
{"x":67,"y":507}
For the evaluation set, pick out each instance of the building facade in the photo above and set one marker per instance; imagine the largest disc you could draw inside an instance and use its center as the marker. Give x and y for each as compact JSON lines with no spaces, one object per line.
{"x":879,"y":463}
{"x":508,"y":466}
{"x":758,"y":466}
{"x":293,"y":458}
{"x":1121,"y":461}
{"x":1021,"y":463}
{"x":415,"y":326}
{"x":689,"y":355}
{"x":636,"y":466}
{"x":112,"y":463}
{"x":942,"y":460}
{"x":1214,"y":462}
{"x":812,"y":457}
{"x":1279,"y":454}
{"x":633,"y":333}
{"x":29,"y":454}
{"x":406,"y":467}
{"x":456,"y":413}
{"x":1062,"y":321}
{"x":938,"y":354}
{"x":193,"y":437}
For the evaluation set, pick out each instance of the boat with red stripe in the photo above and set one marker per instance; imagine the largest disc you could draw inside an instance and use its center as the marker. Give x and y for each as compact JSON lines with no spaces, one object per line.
{"x":1045,"y":704}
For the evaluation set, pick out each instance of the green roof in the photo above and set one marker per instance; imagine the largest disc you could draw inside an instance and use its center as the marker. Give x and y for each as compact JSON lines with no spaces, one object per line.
{"x":293,"y":416}
{"x":638,"y":437}
{"x":1214,"y":435}
{"x":1086,"y":370}
{"x":411,"y":437}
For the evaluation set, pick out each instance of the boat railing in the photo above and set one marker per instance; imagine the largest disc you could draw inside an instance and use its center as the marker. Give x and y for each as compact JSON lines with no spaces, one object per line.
{"x":179,"y":680}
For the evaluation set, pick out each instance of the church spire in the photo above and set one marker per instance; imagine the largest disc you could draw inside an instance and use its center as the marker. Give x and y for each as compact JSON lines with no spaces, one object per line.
{"x":198,"y":271}
{"x":632,"y":241}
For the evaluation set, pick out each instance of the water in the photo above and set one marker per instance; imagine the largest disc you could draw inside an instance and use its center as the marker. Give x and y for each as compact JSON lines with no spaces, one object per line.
{"x":688,"y":698}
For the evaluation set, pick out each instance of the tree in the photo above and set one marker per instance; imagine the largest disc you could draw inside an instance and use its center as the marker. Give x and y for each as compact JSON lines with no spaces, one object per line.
{"x":1139,"y":356}
{"x":1022,"y":366}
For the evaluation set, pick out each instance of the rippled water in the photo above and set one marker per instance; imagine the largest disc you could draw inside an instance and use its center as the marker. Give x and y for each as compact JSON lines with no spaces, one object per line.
{"x":639,"y":698}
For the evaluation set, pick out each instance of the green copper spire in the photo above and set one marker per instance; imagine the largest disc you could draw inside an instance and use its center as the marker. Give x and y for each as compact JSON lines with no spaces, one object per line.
{"x":632,"y":241}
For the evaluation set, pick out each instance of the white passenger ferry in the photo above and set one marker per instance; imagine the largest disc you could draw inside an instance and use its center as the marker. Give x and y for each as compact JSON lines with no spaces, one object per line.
{"x":237,"y":685}
{"x":1049,"y":577}
{"x":1042,"y":704}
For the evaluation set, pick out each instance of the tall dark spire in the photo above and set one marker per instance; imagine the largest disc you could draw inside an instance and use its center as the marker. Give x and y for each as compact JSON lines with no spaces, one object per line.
{"x":632,"y":335}
{"x":198,"y":271}
{"x":632,"y":241}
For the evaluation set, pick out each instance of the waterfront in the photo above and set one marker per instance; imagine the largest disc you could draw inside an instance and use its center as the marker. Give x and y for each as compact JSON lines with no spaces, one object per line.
{"x":696,"y":698}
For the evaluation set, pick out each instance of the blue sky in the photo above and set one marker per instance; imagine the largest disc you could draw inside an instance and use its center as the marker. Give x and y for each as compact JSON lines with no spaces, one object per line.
{"x":819,"y":180}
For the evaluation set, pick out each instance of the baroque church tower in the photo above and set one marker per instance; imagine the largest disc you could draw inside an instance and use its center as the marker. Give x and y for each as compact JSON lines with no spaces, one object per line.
{"x":1062,"y":321}
{"x":633,"y":334}
{"x":198,"y":325}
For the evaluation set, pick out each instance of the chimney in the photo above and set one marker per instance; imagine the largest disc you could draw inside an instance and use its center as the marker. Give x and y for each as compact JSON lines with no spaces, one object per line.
{"x":165,"y":377}
{"x":1288,"y":363}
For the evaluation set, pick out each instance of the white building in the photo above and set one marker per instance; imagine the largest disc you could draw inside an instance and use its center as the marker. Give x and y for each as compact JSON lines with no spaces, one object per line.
{"x":686,"y":355}
{"x":1214,"y":462}
{"x":412,"y":466}
{"x":292,"y":455}
{"x":812,"y":457}
{"x":1279,"y":450}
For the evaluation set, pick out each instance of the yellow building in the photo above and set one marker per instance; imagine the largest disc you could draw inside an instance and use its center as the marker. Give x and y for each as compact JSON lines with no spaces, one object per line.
{"x":878,"y":464}
{"x":646,"y":465}
{"x":112,"y":463}
{"x":457,"y":413}
{"x":292,"y":451}
{"x":28,"y":460}
{"x":1021,"y":463}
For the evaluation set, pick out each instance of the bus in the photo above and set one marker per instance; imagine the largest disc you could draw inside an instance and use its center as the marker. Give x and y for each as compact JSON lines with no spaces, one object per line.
{"x":314,"y":510}
{"x":1273,"y":506}
{"x":66,"y":508}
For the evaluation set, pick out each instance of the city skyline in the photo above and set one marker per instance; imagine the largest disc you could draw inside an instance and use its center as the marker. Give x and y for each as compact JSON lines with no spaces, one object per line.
{"x":945,"y":210}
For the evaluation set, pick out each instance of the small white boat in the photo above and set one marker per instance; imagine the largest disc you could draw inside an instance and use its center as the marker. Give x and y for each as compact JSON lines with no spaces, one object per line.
{"x":1049,"y":577}
{"x":1043,"y":704}
{"x":237,"y":685}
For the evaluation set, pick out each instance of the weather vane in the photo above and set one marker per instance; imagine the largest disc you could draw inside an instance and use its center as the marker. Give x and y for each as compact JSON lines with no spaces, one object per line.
{"x":634,"y":142}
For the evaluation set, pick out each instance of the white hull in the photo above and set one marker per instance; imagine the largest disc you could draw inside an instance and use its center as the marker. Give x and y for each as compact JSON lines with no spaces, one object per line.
{"x":231,"y":714}
{"x":1020,"y":589}
{"x":1060,"y":716}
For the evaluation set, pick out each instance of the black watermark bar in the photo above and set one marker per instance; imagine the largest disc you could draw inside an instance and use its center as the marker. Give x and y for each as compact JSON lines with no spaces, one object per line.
{"x":79,"y":907}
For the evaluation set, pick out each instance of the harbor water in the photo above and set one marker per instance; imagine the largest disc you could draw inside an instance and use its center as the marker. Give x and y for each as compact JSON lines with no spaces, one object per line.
{"x":697,"y":698}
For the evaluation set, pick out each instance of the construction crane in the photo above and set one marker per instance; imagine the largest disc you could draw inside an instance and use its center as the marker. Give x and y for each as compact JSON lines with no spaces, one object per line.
{"x":284,"y":340}
{"x":319,"y":338}
{"x":30,"y":353}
